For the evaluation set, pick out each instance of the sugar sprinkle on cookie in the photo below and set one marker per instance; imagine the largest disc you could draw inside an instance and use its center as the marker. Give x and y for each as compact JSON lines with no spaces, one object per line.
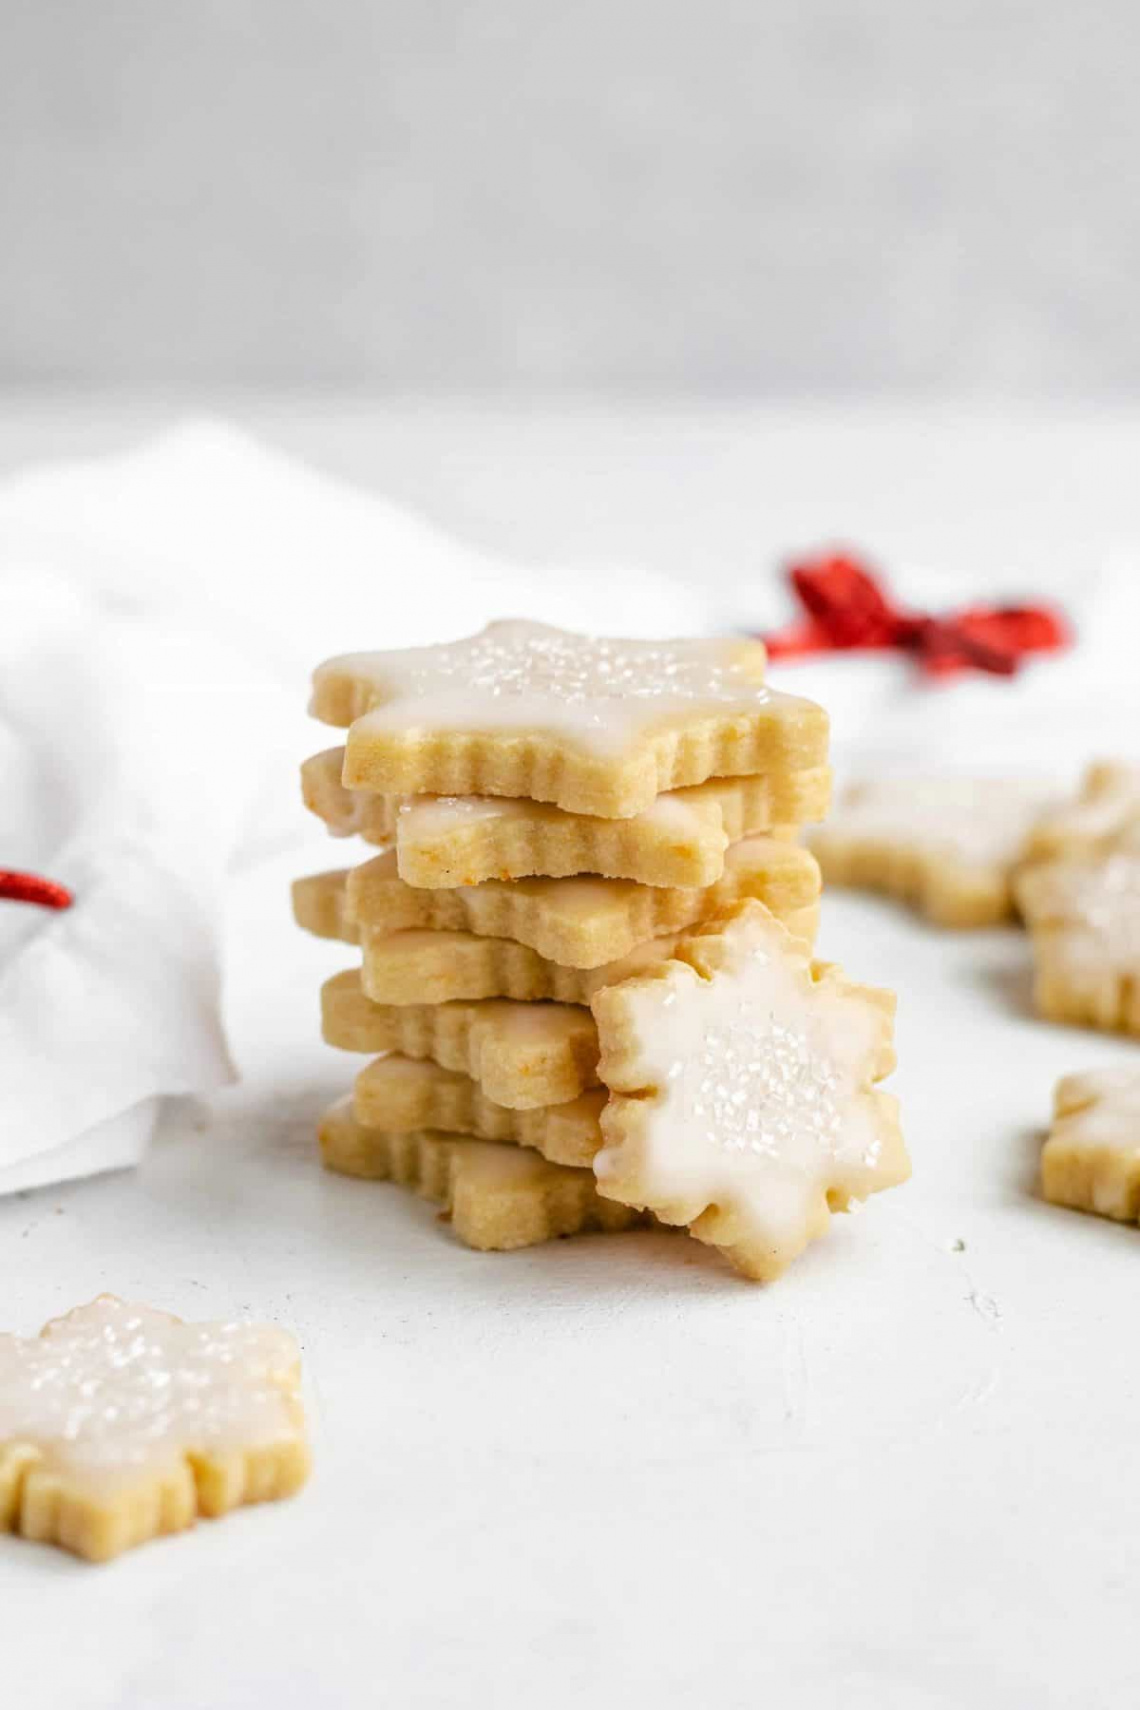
{"x":119,"y":1423}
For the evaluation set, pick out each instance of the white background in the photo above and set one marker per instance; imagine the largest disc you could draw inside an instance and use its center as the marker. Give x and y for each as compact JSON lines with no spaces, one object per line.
{"x":791,"y":195}
{"x":902,"y":1478}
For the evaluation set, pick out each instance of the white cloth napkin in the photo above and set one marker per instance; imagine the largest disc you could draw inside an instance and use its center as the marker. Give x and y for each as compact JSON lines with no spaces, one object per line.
{"x":159,"y":615}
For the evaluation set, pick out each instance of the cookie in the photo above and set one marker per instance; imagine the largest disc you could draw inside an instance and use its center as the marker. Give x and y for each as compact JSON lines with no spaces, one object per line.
{"x":347,"y":813}
{"x":320,"y":905}
{"x":522,"y":1054}
{"x":680,"y":839}
{"x":442,"y":967}
{"x":1104,"y":815}
{"x":582,"y":922}
{"x":119,"y":1424}
{"x":741,"y":1097}
{"x":1091,"y":1158}
{"x":1084,"y":917}
{"x":497,"y":1197}
{"x":950,"y":846}
{"x":595,"y":726}
{"x":401,"y":1094}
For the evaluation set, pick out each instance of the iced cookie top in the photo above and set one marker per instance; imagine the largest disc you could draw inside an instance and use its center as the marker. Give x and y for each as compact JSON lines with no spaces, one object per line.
{"x":522,"y":676}
{"x":1099,"y":1108}
{"x":1105,"y":815}
{"x":747,"y":1082}
{"x":973,"y":821}
{"x":597,"y":726}
{"x":114,"y":1391}
{"x":1095,"y":902}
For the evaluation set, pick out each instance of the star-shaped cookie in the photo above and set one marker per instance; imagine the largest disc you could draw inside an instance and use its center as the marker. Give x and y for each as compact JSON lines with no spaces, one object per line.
{"x":949,"y":845}
{"x":680,"y":839}
{"x":119,"y":1423}
{"x":597,"y":726}
{"x":496,"y":1197}
{"x":742,"y":1101}
{"x":1091,"y":1158}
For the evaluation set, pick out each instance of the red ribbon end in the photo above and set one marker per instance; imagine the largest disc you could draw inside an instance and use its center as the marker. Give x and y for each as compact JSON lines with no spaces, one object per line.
{"x":30,"y":888}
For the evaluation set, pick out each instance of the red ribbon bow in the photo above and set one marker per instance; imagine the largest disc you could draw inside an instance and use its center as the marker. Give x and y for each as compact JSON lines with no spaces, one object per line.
{"x":30,"y":888}
{"x":848,"y":608}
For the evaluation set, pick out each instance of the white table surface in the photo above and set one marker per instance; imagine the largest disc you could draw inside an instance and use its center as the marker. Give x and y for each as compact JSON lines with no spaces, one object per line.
{"x":607,"y":1470}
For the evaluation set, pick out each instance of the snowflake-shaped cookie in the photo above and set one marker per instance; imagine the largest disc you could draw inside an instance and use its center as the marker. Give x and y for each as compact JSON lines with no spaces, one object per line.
{"x":949,"y":845}
{"x":1084,"y":915}
{"x":119,"y":1423}
{"x":742,"y":1102}
{"x":597,"y":726}
{"x":1091,"y":1158}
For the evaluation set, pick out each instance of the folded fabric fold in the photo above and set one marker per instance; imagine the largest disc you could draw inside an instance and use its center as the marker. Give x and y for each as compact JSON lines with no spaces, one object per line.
{"x":159,"y":612}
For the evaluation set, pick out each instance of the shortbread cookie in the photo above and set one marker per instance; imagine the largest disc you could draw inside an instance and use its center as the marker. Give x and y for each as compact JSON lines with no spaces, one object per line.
{"x":425,"y":965}
{"x":497,"y":1197}
{"x":948,"y":845}
{"x":741,"y":1091}
{"x":582,"y":922}
{"x":347,"y":813}
{"x":444,"y":841}
{"x":400,"y":1094}
{"x":1105,"y":815}
{"x":522,"y":1054}
{"x":119,"y":1424}
{"x":1084,"y":915}
{"x":1091,"y":1158}
{"x":441,"y":967}
{"x":320,"y":905}
{"x":595,"y":726}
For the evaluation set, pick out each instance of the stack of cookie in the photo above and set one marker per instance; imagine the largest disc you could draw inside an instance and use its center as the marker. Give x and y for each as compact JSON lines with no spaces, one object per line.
{"x":588,"y":853}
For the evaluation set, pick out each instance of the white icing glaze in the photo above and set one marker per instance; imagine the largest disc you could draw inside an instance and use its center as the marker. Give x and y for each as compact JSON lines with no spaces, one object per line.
{"x":1102,"y":1108}
{"x":760,"y":1078}
{"x":1098,"y":902}
{"x":428,"y":818}
{"x":1107,"y":810}
{"x":518,"y":676}
{"x":975,"y":821}
{"x":114,"y":1391}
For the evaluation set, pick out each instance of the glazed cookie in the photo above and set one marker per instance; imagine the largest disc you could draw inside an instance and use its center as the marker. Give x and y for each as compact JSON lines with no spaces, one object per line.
{"x":949,"y":845}
{"x":742,"y":1101}
{"x":401,"y":1094}
{"x":1091,"y":1158}
{"x":595,"y":726}
{"x":445,"y":841}
{"x":1104,"y":815}
{"x":347,"y":813}
{"x":320,"y":905}
{"x":522,"y":1054}
{"x":119,"y":1424}
{"x":1084,"y":917}
{"x":497,"y":1197}
{"x":440,"y":967}
{"x":582,"y":922}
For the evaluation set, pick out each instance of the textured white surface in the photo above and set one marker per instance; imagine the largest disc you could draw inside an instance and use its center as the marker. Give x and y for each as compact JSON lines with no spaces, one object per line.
{"x":903,"y":1478}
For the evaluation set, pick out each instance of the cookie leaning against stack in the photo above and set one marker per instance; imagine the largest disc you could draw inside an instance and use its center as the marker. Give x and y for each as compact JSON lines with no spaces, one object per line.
{"x":578,"y":833}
